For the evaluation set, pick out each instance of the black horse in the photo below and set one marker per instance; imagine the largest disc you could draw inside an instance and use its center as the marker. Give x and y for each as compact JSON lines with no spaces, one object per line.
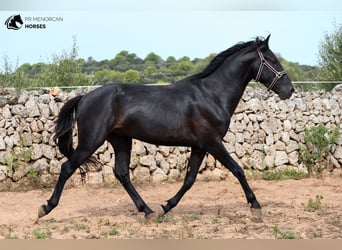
{"x":194,"y":112}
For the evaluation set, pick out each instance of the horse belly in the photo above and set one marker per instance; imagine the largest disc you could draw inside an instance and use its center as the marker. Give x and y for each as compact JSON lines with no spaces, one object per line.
{"x":157,"y":131}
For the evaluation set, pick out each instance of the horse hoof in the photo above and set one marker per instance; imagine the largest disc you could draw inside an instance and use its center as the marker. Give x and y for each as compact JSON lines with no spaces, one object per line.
{"x":256,"y":215}
{"x":41,"y":212}
{"x":158,"y":212}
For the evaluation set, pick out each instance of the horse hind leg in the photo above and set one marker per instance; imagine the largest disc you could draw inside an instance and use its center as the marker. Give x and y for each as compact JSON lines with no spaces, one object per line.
{"x":91,"y":135}
{"x":122,"y":148}
{"x":87,"y":145}
{"x":67,"y":169}
{"x":195,"y":161}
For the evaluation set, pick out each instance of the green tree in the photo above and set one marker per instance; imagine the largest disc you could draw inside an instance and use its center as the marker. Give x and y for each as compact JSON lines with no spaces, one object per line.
{"x":132,"y":76}
{"x":125,"y":60}
{"x":171,"y":60}
{"x":119,"y":62}
{"x":153,"y":59}
{"x":299,"y":72}
{"x":330,"y":54}
{"x":18,"y":78}
{"x":200,"y":64}
{"x":150,"y":71}
{"x":36,"y":69}
{"x":65,"y":70}
{"x":149,"y":74}
{"x":183,"y":68}
{"x":105,"y":76}
{"x":90,"y":66}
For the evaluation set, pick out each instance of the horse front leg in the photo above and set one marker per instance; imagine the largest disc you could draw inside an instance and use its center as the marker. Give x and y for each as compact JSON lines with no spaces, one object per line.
{"x":195,"y":161}
{"x":218,"y":150}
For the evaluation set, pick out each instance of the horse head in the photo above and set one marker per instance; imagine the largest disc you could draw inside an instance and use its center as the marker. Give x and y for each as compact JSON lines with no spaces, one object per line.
{"x":270,"y":72}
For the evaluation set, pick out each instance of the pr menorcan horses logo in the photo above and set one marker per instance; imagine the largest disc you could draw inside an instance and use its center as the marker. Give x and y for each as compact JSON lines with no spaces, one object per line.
{"x":14,"y":22}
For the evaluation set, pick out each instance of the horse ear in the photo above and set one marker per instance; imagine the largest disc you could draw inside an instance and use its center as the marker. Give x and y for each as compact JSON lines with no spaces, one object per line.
{"x":267,"y":39}
{"x":265,"y":43}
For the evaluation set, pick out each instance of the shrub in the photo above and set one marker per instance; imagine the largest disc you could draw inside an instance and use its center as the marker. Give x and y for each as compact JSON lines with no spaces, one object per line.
{"x":279,"y":234}
{"x":315,"y":205}
{"x":285,"y":174}
{"x":318,"y":140}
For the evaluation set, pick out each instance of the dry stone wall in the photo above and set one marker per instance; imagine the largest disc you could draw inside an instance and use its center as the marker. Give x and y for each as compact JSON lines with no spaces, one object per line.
{"x":265,"y":133}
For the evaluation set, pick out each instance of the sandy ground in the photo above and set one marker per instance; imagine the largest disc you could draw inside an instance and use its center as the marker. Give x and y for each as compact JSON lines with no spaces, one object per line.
{"x":210,"y":210}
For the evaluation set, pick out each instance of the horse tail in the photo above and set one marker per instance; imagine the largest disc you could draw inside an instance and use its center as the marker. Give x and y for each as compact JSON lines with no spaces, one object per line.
{"x":64,"y":126}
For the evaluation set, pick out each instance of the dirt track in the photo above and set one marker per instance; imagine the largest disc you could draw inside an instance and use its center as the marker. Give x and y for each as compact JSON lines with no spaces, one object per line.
{"x":209,"y":210}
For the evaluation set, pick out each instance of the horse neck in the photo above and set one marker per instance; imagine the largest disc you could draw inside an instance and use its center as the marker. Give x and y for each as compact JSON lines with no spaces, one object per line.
{"x":230,"y":80}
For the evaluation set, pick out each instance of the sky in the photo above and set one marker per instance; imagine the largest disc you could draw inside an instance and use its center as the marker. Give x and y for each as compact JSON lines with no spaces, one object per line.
{"x":176,"y":28}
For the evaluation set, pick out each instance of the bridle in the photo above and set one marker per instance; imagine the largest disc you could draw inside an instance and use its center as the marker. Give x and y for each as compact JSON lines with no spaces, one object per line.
{"x":278,"y":74}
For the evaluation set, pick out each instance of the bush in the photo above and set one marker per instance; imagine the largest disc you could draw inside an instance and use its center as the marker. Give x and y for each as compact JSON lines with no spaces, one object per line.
{"x":280,"y":234}
{"x":318,"y":140}
{"x":315,"y":205}
{"x":64,"y":70}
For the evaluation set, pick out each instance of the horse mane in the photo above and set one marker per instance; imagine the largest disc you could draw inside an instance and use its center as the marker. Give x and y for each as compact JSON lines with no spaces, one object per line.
{"x":221,"y":57}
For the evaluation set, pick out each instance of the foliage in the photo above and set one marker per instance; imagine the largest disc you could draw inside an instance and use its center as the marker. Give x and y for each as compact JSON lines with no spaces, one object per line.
{"x":153,"y":59}
{"x":298,"y":72}
{"x":125,"y":67}
{"x":131,"y":76}
{"x":33,"y":178}
{"x":9,"y":235}
{"x":41,"y":233}
{"x":191,"y":217}
{"x":315,"y":205}
{"x":124,"y":61}
{"x":12,"y":77}
{"x":315,"y":86}
{"x":284,"y":174}
{"x":330,"y":53}
{"x":318,"y":140}
{"x":64,"y":70}
{"x":19,"y":156}
{"x":279,"y":234}
{"x":20,"y":175}
{"x":105,"y":76}
{"x":306,"y":77}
